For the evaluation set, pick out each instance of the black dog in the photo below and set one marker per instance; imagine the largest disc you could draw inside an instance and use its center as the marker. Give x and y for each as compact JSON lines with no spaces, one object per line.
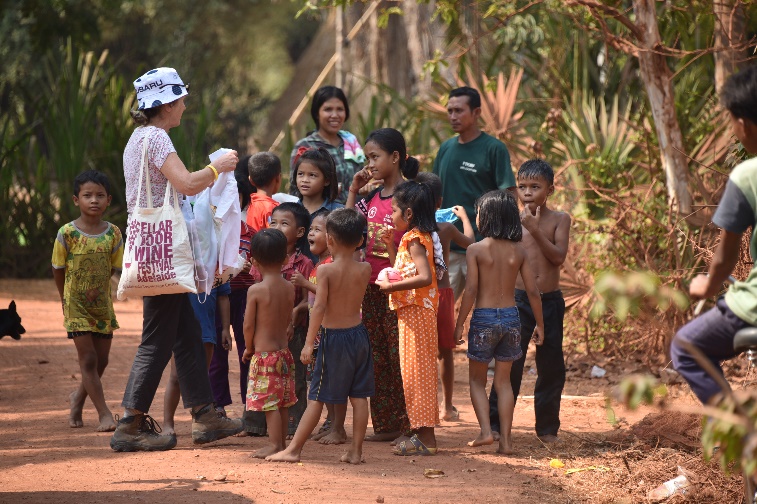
{"x":10,"y":323}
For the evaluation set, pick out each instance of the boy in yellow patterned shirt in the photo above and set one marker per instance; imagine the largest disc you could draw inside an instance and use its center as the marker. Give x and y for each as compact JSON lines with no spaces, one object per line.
{"x":86,"y":253}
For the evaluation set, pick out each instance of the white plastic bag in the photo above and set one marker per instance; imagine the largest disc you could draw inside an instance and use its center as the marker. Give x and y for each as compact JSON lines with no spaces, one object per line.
{"x":208,"y":230}
{"x":224,"y":196}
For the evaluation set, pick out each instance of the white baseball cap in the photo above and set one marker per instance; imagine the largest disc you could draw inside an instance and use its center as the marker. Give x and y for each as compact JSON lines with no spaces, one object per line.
{"x":159,"y":86}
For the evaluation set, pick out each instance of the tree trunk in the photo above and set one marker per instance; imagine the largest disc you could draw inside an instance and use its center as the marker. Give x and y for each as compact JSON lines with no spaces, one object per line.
{"x":729,"y":32}
{"x":657,"y":76}
{"x":424,"y":37}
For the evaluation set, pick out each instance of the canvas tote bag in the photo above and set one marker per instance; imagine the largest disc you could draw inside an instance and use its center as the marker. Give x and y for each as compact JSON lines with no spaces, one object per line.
{"x":158,"y":257}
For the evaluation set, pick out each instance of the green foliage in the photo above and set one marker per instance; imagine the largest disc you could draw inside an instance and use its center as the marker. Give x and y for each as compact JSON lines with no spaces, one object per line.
{"x":730,"y":432}
{"x":638,"y":389}
{"x":629,"y":293}
{"x":383,"y":18}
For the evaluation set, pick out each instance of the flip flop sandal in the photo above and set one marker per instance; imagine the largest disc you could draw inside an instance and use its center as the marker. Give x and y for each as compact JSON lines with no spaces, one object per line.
{"x":325,"y":427}
{"x":413,"y":447}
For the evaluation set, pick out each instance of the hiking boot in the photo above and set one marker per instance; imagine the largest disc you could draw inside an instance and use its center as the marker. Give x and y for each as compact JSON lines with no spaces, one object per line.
{"x":140,"y":432}
{"x":208,"y":426}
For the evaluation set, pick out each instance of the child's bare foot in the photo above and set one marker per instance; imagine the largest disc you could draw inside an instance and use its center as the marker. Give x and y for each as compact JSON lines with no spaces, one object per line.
{"x":289,"y":437}
{"x":482,"y":440}
{"x":451,"y":415}
{"x":383,"y":436}
{"x":74,"y":417}
{"x":334,"y":437}
{"x":505,"y":446}
{"x":106,"y":423}
{"x":495,"y":435}
{"x":352,"y":457}
{"x":266,"y":451}
{"x":399,"y":439}
{"x":284,"y":456}
{"x":242,"y":434}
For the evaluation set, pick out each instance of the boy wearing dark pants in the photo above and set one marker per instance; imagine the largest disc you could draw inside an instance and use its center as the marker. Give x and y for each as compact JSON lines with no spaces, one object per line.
{"x":713,"y":332}
{"x":545,"y":237}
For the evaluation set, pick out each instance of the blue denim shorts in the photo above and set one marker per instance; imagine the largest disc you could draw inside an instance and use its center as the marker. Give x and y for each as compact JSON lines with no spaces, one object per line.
{"x":494,"y":333}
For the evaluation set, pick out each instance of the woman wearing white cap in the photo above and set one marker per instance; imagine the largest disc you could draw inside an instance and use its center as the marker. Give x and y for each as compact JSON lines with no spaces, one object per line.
{"x":169,"y":325}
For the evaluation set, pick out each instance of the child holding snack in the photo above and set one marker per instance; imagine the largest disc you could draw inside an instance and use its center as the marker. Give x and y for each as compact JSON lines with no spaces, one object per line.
{"x":415,"y":298}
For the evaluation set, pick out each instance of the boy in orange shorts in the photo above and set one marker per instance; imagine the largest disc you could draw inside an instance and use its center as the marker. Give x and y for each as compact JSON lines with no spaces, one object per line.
{"x":267,"y":317}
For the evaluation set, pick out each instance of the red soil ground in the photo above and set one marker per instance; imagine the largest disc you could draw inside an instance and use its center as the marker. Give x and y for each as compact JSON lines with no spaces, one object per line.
{"x":43,"y":460}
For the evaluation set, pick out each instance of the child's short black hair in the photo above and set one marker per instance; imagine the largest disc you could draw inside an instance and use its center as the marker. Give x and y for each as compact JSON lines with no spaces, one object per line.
{"x":95,"y":176}
{"x":269,"y":247}
{"x":321,"y":159}
{"x":474,"y":99}
{"x":739,"y":94}
{"x":498,"y":216}
{"x":345,"y":226}
{"x":301,"y":219}
{"x":537,"y":168}
{"x":433,"y":181}
{"x":419,"y":198}
{"x":321,"y":212}
{"x":263,"y":168}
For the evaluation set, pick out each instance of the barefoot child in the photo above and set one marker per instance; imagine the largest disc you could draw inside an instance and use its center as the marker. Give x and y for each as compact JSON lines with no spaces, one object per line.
{"x":545,"y":239}
{"x":332,"y":431}
{"x":266,"y":326}
{"x":415,"y":299}
{"x":293,"y":220}
{"x":344,"y":365}
{"x":493,"y":267}
{"x":86,"y":253}
{"x":445,"y":316}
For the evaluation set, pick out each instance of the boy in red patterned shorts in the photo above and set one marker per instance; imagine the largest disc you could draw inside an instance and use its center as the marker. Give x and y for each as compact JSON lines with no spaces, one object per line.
{"x":267,"y":318}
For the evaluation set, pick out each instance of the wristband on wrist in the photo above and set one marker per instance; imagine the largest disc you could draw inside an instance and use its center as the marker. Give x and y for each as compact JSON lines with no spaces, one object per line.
{"x":215,"y":172}
{"x":353,"y":191}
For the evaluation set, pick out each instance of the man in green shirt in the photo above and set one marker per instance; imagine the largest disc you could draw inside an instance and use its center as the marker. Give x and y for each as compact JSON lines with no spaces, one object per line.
{"x":470,"y":164}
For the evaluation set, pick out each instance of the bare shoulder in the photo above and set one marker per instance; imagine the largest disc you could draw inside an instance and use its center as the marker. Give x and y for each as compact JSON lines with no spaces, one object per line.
{"x":475,"y":249}
{"x":254,"y":290}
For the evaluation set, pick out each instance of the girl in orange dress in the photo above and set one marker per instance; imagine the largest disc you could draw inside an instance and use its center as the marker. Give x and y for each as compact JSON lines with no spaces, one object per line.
{"x":416,"y":298}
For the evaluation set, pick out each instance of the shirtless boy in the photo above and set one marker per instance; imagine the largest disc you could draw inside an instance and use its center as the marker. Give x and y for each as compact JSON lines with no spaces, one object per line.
{"x":545,"y":238}
{"x":266,"y":320}
{"x":344,"y":367}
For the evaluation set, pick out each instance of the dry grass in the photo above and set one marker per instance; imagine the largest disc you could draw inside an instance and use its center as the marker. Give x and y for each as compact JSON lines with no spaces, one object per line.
{"x":631,"y":462}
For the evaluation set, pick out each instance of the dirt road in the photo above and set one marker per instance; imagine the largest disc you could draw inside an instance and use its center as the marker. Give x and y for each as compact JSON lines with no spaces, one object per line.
{"x":43,"y":460}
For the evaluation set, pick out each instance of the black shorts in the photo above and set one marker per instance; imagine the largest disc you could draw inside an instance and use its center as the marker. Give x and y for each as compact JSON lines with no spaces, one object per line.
{"x":343,"y":367}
